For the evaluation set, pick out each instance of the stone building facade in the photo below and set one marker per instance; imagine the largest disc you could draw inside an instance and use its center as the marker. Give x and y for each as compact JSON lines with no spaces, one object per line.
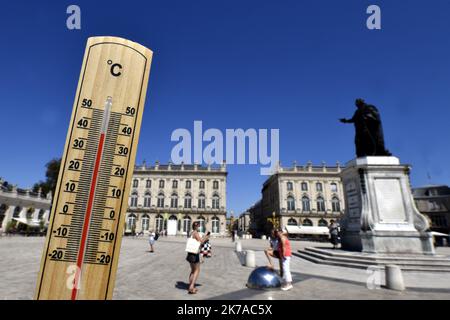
{"x":434,"y":202}
{"x":300,"y":195}
{"x":24,"y":206}
{"x":171,"y":197}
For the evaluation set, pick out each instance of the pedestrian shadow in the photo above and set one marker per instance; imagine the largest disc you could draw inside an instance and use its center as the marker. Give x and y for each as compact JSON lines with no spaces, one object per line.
{"x":184,"y":285}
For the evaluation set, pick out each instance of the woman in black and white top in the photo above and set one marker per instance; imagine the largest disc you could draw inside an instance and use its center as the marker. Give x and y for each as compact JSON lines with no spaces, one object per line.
{"x":194,"y":258}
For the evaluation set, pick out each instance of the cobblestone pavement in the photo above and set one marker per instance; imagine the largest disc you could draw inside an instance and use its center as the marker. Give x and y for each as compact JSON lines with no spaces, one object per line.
{"x":164,"y":274}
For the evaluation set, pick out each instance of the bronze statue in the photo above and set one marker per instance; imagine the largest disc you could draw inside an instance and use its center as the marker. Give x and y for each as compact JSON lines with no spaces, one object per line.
{"x":369,"y":140}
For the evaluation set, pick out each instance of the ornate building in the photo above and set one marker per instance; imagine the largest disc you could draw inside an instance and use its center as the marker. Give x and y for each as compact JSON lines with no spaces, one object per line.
{"x":434,"y":202}
{"x":300,"y":195}
{"x":23,"y":206}
{"x":171,"y":197}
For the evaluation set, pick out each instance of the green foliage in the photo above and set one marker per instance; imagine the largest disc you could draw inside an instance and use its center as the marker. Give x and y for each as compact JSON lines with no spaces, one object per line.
{"x":51,"y":175}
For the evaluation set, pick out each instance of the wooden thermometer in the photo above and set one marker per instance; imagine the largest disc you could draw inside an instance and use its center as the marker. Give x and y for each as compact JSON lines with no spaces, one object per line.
{"x":86,"y":224}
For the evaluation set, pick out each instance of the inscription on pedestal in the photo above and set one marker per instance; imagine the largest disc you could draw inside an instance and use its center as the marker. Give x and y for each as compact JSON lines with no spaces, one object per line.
{"x":389,"y":200}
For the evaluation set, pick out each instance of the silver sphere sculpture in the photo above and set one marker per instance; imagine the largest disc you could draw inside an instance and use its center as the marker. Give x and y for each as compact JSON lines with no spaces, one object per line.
{"x":264,"y":278}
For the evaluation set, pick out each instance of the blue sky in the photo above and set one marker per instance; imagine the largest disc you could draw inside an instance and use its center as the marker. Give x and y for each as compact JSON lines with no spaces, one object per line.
{"x":292,"y":65}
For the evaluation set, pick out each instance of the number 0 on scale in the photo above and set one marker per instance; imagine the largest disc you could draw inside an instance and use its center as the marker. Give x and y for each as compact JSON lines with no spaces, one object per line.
{"x":88,"y":212}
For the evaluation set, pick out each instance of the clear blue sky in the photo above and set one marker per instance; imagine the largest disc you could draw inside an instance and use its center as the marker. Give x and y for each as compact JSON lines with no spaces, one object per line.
{"x":293,"y":65}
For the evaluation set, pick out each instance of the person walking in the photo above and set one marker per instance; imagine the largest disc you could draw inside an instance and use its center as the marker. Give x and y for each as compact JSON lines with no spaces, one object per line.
{"x":151,"y":240}
{"x":334,"y":233}
{"x":193,"y":256}
{"x":284,"y":248}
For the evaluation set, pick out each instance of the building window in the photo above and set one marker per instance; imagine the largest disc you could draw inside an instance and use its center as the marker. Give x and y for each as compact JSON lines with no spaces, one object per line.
{"x":333,"y":187}
{"x":434,"y":206}
{"x":174,"y":201}
{"x":16,"y":213}
{"x":201,"y":224}
{"x":188,"y":184}
{"x":323,"y":223}
{"x":135,"y":183}
{"x":148,"y":183}
{"x":215,"y":202}
{"x":161,"y":184}
{"x":289,"y":186}
{"x":160,"y":203}
{"x":335,"y":204}
{"x":147,"y":200}
{"x":304,"y":186}
{"x":290,"y":203}
{"x":438,"y":221}
{"x":41,"y":214}
{"x":187,"y":201}
{"x":175,"y":184}
{"x":320,"y":204}
{"x":202,"y":184}
{"x":307,"y":223}
{"x":292,"y":222}
{"x":215,"y":185}
{"x":306,"y":204}
{"x":134,"y":200}
{"x":30,"y":212}
{"x":215,"y":225}
{"x":131,"y":222}
{"x":145,"y":222}
{"x":201,"y":201}
{"x":186,"y":224}
{"x":319,"y":187}
{"x":159,"y":223}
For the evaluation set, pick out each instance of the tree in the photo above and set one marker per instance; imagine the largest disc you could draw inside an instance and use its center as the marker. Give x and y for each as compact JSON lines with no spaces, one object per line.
{"x":51,"y":175}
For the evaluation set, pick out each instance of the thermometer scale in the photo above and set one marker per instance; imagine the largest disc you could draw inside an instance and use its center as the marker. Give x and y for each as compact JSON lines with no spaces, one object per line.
{"x":88,"y":213}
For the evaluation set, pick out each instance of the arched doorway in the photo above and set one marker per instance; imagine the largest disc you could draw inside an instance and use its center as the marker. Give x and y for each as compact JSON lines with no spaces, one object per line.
{"x":172,"y":226}
{"x":307,"y":223}
{"x":215,"y":225}
{"x":201,"y":224}
{"x":159,"y":223}
{"x":292,"y":222}
{"x":186,"y":225}
{"x":323,"y":223}
{"x":145,"y":222}
{"x":131,"y":222}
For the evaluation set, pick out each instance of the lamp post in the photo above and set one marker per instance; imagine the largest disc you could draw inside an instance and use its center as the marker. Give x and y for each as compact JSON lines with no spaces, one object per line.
{"x":274,"y":220}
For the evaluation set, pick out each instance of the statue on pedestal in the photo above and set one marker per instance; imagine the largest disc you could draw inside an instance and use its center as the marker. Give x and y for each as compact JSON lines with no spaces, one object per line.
{"x":369,"y":139}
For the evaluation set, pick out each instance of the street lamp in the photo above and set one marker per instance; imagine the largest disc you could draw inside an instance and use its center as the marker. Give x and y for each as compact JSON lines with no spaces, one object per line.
{"x":274,"y":220}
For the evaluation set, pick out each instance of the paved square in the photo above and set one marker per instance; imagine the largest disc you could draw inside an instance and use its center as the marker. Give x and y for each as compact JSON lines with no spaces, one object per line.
{"x":164,"y":274}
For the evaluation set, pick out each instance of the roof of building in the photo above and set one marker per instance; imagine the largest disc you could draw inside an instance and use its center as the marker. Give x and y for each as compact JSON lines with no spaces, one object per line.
{"x":308,"y":169}
{"x":180,"y":167}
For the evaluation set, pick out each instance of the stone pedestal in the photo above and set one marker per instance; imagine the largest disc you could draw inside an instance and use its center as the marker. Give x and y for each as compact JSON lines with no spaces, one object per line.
{"x":381,"y":216}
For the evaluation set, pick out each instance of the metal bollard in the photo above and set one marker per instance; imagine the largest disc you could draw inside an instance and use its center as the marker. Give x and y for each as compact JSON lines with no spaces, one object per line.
{"x":263,"y":237}
{"x":394,"y":278}
{"x":238,"y":246}
{"x":250,"y":259}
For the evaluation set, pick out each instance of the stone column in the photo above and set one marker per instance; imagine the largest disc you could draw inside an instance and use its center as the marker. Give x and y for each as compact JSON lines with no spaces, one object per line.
{"x":8,"y":216}
{"x":36,"y":214}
